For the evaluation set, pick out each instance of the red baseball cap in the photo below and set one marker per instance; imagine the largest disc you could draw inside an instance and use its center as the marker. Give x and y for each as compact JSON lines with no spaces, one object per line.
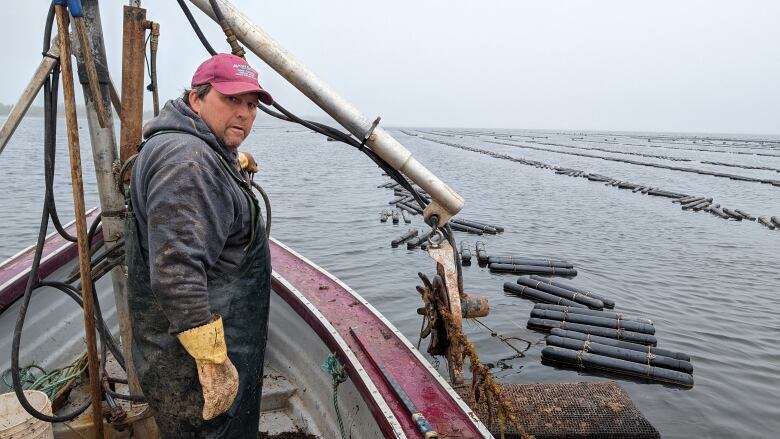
{"x":230,"y":75}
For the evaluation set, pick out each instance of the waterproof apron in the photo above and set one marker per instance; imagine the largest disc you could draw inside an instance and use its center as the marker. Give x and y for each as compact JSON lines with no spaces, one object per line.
{"x":167,"y":373}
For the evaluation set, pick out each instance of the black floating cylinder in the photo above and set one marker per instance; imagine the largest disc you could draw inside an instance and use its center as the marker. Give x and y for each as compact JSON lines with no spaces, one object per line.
{"x":588,"y":360}
{"x":395,"y":217}
{"x":558,"y":291}
{"x":406,"y":208}
{"x":407,"y":218}
{"x":397,"y":199}
{"x":745,"y":215}
{"x":465,"y":253}
{"x":529,"y":261}
{"x":484,"y":228}
{"x":623,"y":354}
{"x":462,"y":228}
{"x":608,"y":303}
{"x":409,"y":205}
{"x":420,"y":241}
{"x":635,"y":337}
{"x":585,"y":319}
{"x":767,"y":222}
{"x":541,"y":296}
{"x":528,"y":269}
{"x":403,"y":238}
{"x":482,"y":255}
{"x":593,"y":312}
{"x":620,"y":344}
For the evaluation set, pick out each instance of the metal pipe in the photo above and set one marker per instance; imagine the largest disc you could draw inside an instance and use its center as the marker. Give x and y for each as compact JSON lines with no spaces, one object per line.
{"x":29,"y":94}
{"x":446,"y":202}
{"x":132,"y":81}
{"x":81,"y":223}
{"x":89,"y":63}
{"x":112,"y":202}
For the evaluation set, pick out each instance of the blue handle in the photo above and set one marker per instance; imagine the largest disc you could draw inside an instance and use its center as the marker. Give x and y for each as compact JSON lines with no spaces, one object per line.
{"x":73,"y":5}
{"x":424,"y":426}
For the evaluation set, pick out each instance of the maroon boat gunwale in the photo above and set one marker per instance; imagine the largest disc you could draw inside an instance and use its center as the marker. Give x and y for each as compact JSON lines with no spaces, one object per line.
{"x":57,"y":251}
{"x":426,"y":388}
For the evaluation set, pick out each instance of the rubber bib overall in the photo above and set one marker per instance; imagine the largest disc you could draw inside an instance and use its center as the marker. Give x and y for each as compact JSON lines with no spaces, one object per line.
{"x":168,"y":375}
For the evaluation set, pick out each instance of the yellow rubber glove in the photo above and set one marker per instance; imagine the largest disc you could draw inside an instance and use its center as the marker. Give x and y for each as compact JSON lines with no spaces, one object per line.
{"x":217,"y":375}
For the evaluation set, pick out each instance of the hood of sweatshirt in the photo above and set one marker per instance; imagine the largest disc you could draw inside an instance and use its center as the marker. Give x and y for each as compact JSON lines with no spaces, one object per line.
{"x":176,"y":115}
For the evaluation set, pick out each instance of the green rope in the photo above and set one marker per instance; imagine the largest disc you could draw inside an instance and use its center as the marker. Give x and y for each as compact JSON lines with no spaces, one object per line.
{"x":34,"y":377}
{"x":339,"y":375}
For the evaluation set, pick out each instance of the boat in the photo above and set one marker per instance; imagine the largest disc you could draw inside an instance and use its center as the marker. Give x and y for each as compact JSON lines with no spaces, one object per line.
{"x":335,"y":366}
{"x":313,"y":314}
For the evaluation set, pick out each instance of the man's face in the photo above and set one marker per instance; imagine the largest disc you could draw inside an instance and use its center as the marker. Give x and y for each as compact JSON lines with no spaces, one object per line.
{"x":230,"y":118}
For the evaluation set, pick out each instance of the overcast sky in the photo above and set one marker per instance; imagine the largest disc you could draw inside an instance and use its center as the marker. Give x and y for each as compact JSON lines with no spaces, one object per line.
{"x":690,"y":66}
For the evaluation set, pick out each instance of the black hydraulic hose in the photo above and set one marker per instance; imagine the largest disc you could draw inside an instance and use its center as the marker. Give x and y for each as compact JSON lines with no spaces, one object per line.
{"x":47,"y":30}
{"x":17,"y":335}
{"x":49,"y":145}
{"x":93,"y":229}
{"x":267,"y":202}
{"x":196,"y":28}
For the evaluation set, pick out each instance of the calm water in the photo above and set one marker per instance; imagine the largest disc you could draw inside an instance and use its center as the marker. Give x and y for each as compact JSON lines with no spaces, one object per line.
{"x":711,"y":286}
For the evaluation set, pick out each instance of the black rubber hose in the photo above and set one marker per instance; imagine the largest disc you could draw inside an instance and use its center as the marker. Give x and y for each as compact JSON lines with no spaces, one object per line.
{"x":50,"y":88}
{"x":47,"y":30}
{"x":196,"y":28}
{"x":267,"y":202}
{"x":17,"y":335}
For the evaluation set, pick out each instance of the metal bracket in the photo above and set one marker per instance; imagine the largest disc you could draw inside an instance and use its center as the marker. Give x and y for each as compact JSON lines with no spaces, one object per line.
{"x":370,"y":131}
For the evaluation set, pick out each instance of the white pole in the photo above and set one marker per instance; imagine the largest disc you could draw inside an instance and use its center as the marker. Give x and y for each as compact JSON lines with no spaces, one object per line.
{"x":446,"y":202}
{"x":29,"y":94}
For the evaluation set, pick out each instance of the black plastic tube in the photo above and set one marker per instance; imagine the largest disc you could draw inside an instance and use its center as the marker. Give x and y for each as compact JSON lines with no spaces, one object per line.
{"x":403,"y":238}
{"x":528,"y":269}
{"x":465,"y":253}
{"x":620,"y":344}
{"x":417,"y":242}
{"x":588,"y":360}
{"x":482,"y":255}
{"x":462,"y":228}
{"x":484,"y":228}
{"x":593,"y":312}
{"x":635,"y":337}
{"x":623,"y":354}
{"x":608,"y":303}
{"x":541,"y":296}
{"x":552,"y":289}
{"x":529,"y":261}
{"x":593,"y":321}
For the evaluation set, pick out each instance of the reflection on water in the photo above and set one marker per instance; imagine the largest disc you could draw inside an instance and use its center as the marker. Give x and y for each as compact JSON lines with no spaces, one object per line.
{"x":709,"y":285}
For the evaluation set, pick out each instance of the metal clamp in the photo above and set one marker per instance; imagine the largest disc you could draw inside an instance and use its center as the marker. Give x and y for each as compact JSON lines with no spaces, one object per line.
{"x":370,"y":131}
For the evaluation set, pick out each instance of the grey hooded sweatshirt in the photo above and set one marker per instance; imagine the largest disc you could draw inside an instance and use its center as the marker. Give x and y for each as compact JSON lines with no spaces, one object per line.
{"x":194,"y":222}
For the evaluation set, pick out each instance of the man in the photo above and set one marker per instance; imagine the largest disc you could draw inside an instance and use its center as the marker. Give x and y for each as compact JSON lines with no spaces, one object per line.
{"x":198,"y":261}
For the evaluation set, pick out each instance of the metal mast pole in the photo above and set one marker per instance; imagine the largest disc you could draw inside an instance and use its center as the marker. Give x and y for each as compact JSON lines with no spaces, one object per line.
{"x":112,"y":203}
{"x":446,"y":202}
